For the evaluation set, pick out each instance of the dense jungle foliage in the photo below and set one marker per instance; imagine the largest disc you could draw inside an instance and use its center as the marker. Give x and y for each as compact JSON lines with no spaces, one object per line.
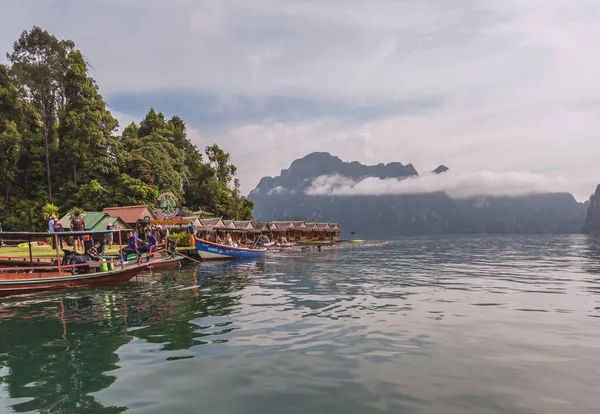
{"x":59,"y":146}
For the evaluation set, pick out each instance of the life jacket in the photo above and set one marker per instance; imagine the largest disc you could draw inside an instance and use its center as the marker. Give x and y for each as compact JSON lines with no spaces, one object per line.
{"x":77,"y":223}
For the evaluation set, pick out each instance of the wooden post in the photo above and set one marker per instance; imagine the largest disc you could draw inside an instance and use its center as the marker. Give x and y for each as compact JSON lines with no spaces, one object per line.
{"x":121,"y":250}
{"x":30,"y":254}
{"x":57,"y":255}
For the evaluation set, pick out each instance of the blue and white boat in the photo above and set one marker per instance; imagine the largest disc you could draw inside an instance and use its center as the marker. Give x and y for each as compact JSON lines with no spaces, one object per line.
{"x":213,"y":251}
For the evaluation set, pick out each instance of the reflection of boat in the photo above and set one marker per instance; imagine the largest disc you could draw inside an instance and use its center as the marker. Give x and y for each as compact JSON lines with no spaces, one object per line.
{"x":213,"y":251}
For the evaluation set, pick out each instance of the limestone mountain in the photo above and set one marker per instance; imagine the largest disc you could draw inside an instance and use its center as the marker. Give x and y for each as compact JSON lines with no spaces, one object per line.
{"x":592,"y":221}
{"x":284,"y":197}
{"x":304,"y":170}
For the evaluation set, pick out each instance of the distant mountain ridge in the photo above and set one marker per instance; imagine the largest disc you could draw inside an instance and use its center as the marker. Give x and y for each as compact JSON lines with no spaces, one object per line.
{"x":284,"y":197}
{"x":302,"y":171}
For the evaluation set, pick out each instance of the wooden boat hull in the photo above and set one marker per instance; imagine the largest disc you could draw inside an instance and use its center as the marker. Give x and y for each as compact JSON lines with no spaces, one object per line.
{"x":213,"y":251}
{"x":15,"y":283}
{"x":7,"y":261}
{"x":171,"y":263}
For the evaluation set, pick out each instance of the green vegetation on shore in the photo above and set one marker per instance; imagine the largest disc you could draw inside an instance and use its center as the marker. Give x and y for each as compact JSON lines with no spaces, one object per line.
{"x":58,"y":144}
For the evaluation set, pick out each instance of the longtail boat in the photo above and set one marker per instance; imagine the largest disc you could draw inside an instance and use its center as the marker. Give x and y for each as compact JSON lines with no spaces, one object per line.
{"x":214,"y":251}
{"x":168,"y":263}
{"x":26,"y":277}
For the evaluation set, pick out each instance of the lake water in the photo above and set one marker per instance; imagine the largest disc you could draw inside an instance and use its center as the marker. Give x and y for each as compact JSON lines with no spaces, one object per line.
{"x":473,"y":324}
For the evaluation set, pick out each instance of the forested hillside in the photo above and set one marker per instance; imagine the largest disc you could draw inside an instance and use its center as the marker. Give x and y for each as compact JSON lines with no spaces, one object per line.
{"x":59,"y":146}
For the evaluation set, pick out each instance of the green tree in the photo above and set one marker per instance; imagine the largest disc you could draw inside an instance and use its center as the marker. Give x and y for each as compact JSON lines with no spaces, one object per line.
{"x":245,"y":212}
{"x":11,"y":120}
{"x":92,"y":196}
{"x":38,"y":63}
{"x":130,"y":191}
{"x":219,"y":160}
{"x":53,"y":115}
{"x":49,"y":210}
{"x":86,"y":126}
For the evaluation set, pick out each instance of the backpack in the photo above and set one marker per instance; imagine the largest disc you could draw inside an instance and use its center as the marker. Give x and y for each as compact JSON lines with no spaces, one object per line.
{"x":77,"y":223}
{"x":57,"y":226}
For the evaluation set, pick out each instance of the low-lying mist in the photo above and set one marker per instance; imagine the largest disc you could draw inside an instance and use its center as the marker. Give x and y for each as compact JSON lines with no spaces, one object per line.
{"x":456,"y":185}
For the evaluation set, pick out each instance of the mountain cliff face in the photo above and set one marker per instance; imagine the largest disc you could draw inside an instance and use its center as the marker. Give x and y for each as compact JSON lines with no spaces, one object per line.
{"x":284,"y":197}
{"x":302,"y":171}
{"x":592,"y":221}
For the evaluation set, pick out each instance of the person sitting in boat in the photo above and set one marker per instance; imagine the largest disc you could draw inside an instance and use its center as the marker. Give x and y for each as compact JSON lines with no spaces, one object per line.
{"x":229,"y":241}
{"x":218,"y":239}
{"x":283,"y":239}
{"x":132,"y":246}
{"x":150,"y":245}
{"x":92,"y":254}
{"x":207,"y":236}
{"x":262,"y":240}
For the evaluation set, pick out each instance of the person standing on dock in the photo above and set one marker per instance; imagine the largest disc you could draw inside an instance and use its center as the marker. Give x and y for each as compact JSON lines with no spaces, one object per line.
{"x":77,"y":224}
{"x":51,"y":224}
{"x":58,"y":228}
{"x":51,"y":230}
{"x":109,"y":236}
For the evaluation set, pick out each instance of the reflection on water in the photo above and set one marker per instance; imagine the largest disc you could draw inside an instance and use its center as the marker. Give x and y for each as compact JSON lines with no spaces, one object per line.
{"x":490,"y":324}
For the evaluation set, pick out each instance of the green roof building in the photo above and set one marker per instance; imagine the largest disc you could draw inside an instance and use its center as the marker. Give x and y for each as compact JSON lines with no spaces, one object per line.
{"x":95,"y":221}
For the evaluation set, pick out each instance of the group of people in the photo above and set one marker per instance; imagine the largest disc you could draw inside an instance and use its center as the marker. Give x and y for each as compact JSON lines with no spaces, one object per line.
{"x":217,"y":239}
{"x":137,"y":246}
{"x":77,"y":224}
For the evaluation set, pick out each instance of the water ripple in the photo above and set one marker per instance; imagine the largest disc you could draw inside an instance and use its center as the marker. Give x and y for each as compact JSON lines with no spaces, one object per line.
{"x":462,"y":324}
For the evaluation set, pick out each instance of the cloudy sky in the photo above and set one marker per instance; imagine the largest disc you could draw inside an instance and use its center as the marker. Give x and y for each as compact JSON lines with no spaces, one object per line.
{"x":498,"y":85}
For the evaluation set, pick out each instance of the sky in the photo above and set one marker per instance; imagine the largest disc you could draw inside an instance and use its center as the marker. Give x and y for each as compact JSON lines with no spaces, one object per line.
{"x":499,"y":86}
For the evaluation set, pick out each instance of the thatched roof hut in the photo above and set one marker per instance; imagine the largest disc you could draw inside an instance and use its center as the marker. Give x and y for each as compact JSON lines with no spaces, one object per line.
{"x":261,"y":225}
{"x":229,"y":225}
{"x":312,"y":226}
{"x":245,"y":226}
{"x":195,"y":220}
{"x":324,"y":227}
{"x":283,"y":225}
{"x":300,"y":226}
{"x":211,"y":224}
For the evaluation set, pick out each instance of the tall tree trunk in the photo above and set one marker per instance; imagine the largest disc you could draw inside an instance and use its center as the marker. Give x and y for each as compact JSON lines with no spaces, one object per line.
{"x":46,"y":133}
{"x":75,"y":173}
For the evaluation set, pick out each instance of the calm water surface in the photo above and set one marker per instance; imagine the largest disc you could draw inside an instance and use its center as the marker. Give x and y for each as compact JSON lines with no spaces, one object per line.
{"x":479,"y":324}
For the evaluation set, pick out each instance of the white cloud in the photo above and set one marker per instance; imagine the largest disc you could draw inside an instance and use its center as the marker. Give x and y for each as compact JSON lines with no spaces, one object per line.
{"x":515,"y":81}
{"x":456,"y":185}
